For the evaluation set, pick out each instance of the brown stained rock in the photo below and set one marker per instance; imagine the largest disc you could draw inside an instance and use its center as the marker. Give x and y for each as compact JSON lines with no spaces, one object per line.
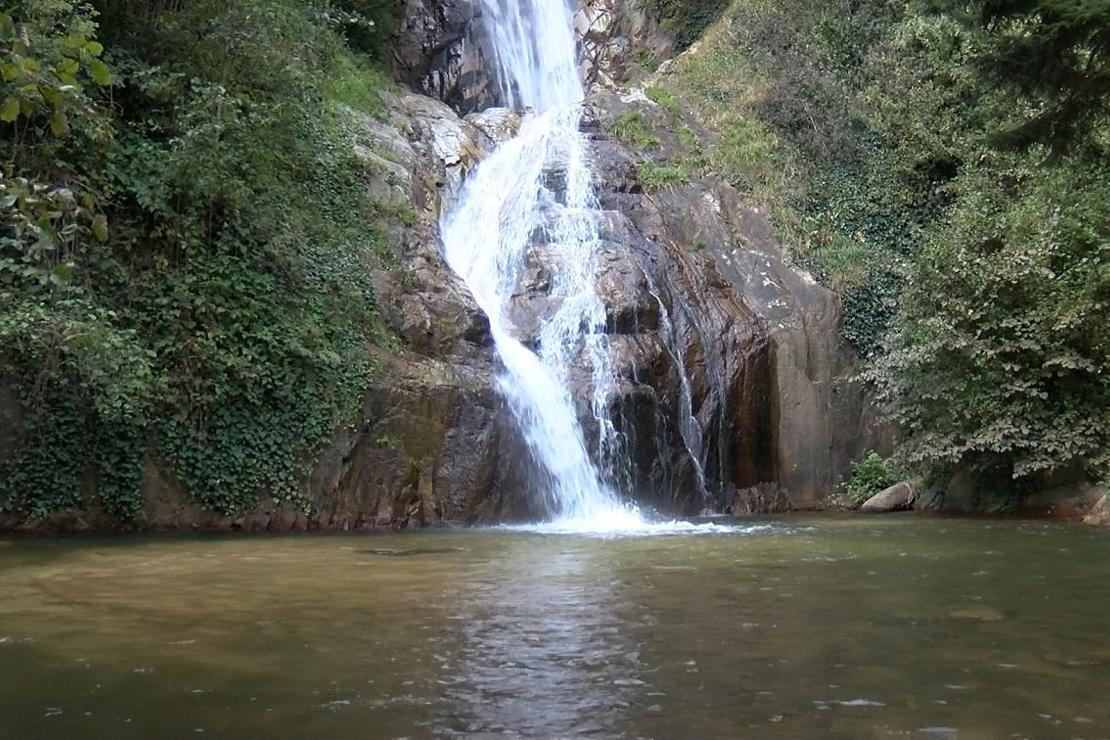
{"x":283,"y":519}
{"x":761,"y":499}
{"x":961,"y":494}
{"x":772,"y":377}
{"x":1066,"y":494}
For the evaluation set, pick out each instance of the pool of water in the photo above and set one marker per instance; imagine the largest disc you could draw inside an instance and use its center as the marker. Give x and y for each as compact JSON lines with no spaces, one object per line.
{"x":792,"y":628}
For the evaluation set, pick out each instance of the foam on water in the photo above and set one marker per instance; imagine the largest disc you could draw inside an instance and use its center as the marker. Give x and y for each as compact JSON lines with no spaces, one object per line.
{"x":634,"y":524}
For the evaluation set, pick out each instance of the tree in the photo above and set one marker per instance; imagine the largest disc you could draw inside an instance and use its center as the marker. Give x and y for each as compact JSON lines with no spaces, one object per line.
{"x":1053,"y":54}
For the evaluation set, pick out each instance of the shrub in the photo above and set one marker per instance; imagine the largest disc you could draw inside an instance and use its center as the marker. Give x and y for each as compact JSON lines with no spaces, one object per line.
{"x":868,"y":476}
{"x":629,"y":128}
{"x":999,"y":357}
{"x":211,"y":304}
{"x":658,"y":176}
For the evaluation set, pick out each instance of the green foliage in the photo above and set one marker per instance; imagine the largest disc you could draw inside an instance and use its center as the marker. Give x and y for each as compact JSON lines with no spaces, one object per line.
{"x":366,"y":25}
{"x":357,"y":84}
{"x":774,"y":81}
{"x":48,"y":59}
{"x":748,"y":153}
{"x":222,"y":324}
{"x":870,"y":475}
{"x":999,"y":358}
{"x":1051,"y":55}
{"x":643,"y":60}
{"x":77,"y":375}
{"x":664,"y":99}
{"x":687,"y":137}
{"x":686,"y":19}
{"x":658,"y":176}
{"x":941,"y":166}
{"x":629,"y":128}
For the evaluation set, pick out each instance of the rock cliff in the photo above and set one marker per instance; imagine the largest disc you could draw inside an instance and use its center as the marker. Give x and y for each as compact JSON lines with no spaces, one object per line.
{"x":735,"y":390}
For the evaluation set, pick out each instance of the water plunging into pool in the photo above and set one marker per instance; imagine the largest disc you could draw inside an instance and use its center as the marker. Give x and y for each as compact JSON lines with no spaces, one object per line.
{"x":510,"y":201}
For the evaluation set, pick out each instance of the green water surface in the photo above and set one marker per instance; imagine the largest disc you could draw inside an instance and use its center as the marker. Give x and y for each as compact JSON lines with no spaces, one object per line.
{"x":795,"y":628}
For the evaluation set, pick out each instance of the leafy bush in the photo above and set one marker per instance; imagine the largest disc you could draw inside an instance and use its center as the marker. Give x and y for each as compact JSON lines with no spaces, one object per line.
{"x":869,"y":476}
{"x":941,"y":168}
{"x":223,"y":322}
{"x":999,"y":358}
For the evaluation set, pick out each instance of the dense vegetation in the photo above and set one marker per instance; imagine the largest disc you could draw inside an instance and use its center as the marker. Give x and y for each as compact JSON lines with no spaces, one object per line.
{"x":943,"y":165}
{"x":185,"y":232}
{"x":184,"y":243}
{"x":685,"y":20}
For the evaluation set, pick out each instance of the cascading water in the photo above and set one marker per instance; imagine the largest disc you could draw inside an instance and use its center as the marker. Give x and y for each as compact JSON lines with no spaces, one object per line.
{"x":486,"y":237}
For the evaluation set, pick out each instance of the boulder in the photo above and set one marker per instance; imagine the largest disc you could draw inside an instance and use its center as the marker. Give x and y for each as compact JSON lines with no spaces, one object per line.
{"x":895,"y":498}
{"x":1099,"y":515}
{"x":961,"y":494}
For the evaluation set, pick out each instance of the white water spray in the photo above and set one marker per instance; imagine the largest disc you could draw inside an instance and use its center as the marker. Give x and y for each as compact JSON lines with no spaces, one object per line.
{"x":504,"y":204}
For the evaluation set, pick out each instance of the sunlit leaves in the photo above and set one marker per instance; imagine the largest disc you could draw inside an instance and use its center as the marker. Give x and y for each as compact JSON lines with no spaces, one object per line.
{"x":9,"y":111}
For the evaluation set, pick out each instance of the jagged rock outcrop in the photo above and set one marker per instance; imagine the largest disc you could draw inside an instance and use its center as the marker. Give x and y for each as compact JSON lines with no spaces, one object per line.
{"x":437,"y":444}
{"x":621,"y":40}
{"x":442,"y":48}
{"x":772,"y":377}
{"x":731,"y":364}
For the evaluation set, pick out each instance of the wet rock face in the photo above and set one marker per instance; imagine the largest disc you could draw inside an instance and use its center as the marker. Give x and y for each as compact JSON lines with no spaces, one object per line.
{"x":437,"y":444}
{"x":442,"y":48}
{"x":692,"y":396}
{"x":621,"y":41}
{"x":771,"y":379}
{"x":699,"y":355}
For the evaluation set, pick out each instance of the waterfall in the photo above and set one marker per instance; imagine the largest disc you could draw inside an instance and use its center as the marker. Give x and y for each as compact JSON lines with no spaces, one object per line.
{"x":508,"y":202}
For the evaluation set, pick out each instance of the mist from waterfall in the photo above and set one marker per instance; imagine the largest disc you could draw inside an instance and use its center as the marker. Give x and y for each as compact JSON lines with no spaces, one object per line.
{"x":507,"y":204}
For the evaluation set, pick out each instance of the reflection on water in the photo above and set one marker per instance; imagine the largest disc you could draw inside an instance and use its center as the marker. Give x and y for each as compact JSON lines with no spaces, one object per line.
{"x":824,"y":628}
{"x":545,"y":644}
